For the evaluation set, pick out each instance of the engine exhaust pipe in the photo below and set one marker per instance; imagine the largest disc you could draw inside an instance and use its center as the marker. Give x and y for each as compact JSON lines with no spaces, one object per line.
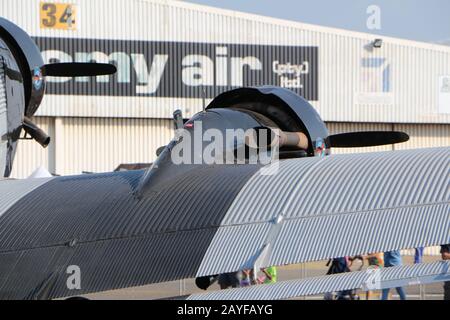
{"x":35,"y":132}
{"x":294,"y":139}
{"x":265,"y":137}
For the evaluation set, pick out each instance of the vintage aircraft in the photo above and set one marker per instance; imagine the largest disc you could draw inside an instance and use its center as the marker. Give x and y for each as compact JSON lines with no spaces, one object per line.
{"x":187,"y":216}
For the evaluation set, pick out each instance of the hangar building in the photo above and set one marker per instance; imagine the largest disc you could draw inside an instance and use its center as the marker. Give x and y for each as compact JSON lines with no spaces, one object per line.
{"x":172,"y":54}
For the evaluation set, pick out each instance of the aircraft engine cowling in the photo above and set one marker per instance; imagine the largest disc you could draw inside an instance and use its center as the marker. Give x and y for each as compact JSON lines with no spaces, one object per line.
{"x":291,"y":113}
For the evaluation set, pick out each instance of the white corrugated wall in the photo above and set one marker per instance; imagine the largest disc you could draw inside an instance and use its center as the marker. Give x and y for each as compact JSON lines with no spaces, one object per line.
{"x":343,"y":92}
{"x":92,"y":144}
{"x":101,"y":144}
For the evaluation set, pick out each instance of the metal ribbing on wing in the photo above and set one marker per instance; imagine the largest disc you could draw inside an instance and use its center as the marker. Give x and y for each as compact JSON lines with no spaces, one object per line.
{"x":130,"y":262}
{"x":104,"y":265}
{"x":317,"y":238}
{"x":262,"y":197}
{"x":344,"y":183}
{"x":12,"y":191}
{"x":368,"y":279}
{"x":95,"y":222}
{"x":340,"y":205}
{"x":100,"y":206}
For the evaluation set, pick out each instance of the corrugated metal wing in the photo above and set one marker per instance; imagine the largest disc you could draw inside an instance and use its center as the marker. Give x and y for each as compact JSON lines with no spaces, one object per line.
{"x":344,"y":183}
{"x":97,"y":223}
{"x":12,"y":191}
{"x":337,"y":206}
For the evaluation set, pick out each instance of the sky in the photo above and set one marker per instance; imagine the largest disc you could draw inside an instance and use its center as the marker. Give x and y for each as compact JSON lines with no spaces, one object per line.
{"x":420,"y":20}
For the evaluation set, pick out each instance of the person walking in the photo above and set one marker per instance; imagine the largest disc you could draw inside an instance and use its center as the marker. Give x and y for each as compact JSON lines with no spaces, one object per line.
{"x":418,"y":255}
{"x":247,"y":277}
{"x":445,"y":253}
{"x":392,"y":259}
{"x":339,"y":265}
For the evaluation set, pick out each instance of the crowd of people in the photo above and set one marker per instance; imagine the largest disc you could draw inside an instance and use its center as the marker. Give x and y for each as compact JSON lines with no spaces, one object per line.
{"x":249,"y":277}
{"x":380,"y":260}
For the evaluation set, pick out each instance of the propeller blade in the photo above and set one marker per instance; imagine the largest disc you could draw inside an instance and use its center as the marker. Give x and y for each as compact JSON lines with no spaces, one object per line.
{"x":367,"y":139}
{"x":78,"y":69}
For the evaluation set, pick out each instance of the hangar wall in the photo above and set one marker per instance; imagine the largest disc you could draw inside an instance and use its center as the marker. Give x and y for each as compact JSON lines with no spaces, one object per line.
{"x":101,"y":144}
{"x":160,"y":47}
{"x":167,"y":52}
{"x":92,"y":144}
